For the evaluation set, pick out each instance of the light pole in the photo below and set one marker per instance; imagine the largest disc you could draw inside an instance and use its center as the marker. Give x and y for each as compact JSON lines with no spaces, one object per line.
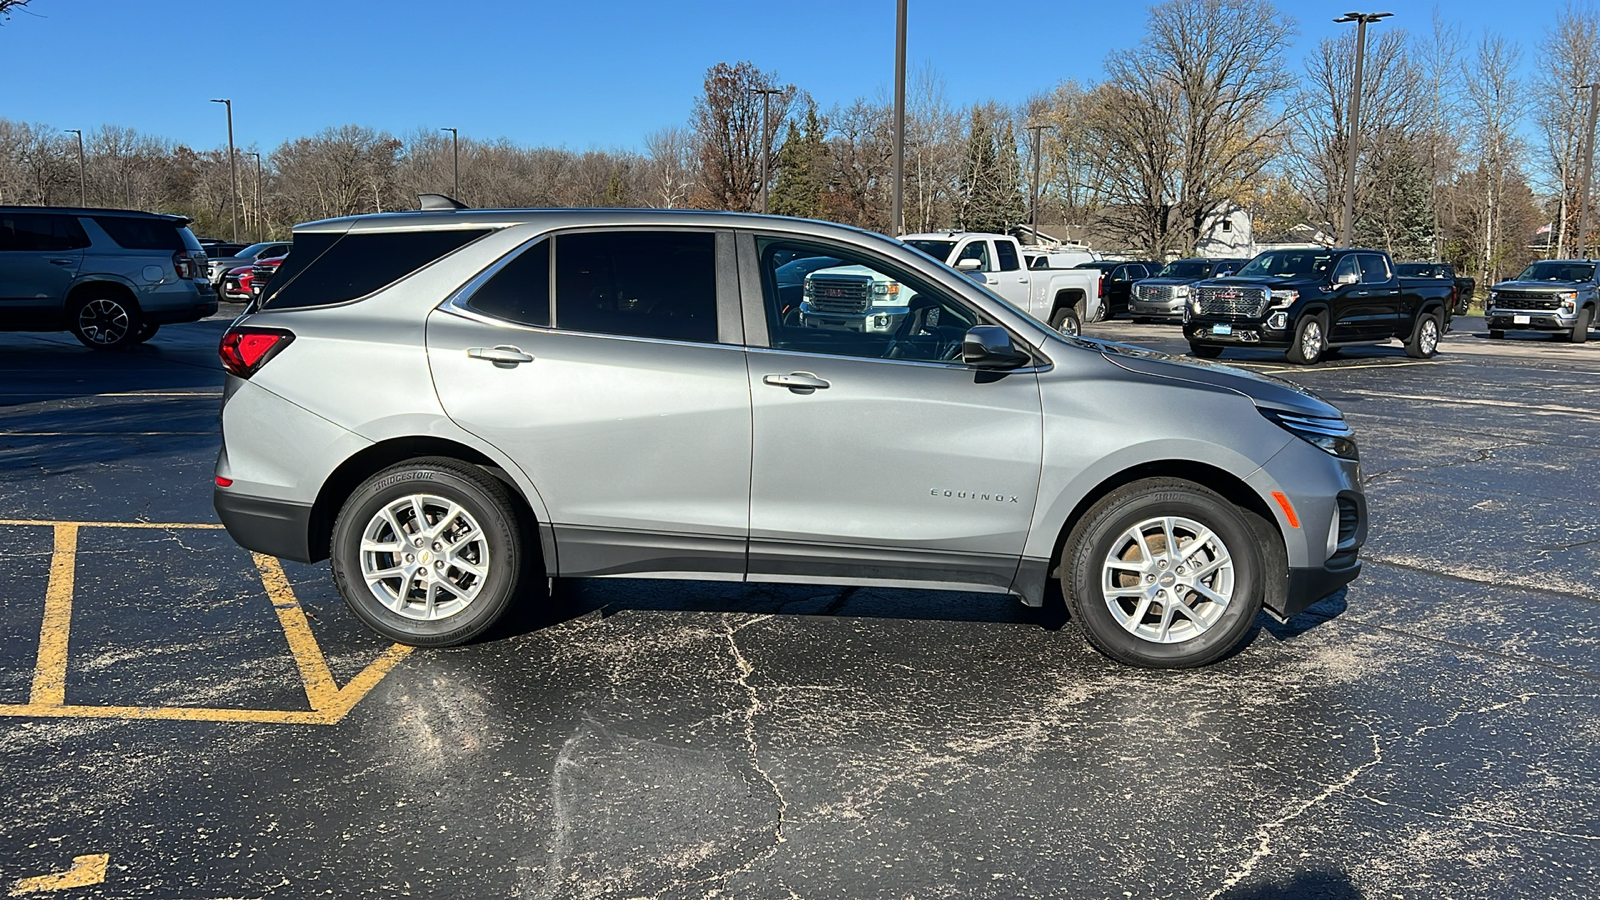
{"x":1361,"y":20}
{"x":261,"y":220}
{"x":766,"y":140}
{"x":897,"y":208}
{"x":1588,"y":171}
{"x":455,"y":162}
{"x":83,"y":190}
{"x":1038,"y":152}
{"x":233,"y":169}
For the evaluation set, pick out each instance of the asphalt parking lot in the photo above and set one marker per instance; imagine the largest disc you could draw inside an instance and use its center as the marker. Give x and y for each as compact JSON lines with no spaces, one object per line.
{"x":181,"y":719}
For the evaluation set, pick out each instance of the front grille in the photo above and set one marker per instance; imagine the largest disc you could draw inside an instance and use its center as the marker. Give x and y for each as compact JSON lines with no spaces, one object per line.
{"x":1230,"y":301}
{"x":1152,"y":293}
{"x":840,"y":294}
{"x":1526,"y":300}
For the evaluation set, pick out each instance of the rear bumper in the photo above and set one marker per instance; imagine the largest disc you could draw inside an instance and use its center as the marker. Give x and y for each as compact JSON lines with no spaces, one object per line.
{"x":274,"y":527}
{"x":190,"y":306}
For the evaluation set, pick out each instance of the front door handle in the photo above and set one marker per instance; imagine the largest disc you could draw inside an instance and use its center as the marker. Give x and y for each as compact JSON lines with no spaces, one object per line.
{"x":62,"y":262}
{"x":504,"y":356}
{"x":799,"y":382}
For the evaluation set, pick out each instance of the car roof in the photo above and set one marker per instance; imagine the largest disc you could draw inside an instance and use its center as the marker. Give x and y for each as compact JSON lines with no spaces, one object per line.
{"x":97,"y":211}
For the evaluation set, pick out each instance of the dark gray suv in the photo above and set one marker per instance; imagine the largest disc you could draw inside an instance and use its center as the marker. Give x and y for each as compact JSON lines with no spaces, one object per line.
{"x":110,"y":276}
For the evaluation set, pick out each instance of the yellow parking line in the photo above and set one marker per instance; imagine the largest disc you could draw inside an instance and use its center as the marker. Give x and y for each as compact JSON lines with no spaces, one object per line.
{"x":181,"y":713}
{"x":50,"y":672}
{"x":321,"y":692}
{"x":86,"y":870}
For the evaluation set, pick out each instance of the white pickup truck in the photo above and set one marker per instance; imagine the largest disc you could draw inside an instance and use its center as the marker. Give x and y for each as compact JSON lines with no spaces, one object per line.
{"x":1066,"y":298}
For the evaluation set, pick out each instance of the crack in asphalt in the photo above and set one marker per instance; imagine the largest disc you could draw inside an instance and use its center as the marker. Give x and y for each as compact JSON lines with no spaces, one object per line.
{"x":744,"y":669}
{"x":1483,"y":454}
{"x":1481,"y":582}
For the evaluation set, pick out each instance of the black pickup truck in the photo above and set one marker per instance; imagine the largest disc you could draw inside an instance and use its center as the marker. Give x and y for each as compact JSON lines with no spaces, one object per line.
{"x":1465,"y":284}
{"x":1310,"y":301}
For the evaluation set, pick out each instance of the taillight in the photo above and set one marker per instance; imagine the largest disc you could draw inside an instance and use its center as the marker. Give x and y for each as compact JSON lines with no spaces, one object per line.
{"x":244,"y":350}
{"x":184,"y":263}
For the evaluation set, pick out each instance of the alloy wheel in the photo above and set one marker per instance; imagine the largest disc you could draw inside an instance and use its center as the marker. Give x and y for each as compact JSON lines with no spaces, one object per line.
{"x":1167,"y":579}
{"x":103,"y":321}
{"x":424,"y":557}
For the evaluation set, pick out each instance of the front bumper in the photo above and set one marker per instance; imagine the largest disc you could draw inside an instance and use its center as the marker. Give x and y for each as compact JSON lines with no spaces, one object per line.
{"x":1308,"y":586}
{"x":1156,"y":309}
{"x":274,"y":527}
{"x":1239,"y":332}
{"x":1530,"y":320}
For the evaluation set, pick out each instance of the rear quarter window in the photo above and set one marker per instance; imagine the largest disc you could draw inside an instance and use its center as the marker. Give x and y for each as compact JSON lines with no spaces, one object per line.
{"x":134,"y":233}
{"x":323,"y":269}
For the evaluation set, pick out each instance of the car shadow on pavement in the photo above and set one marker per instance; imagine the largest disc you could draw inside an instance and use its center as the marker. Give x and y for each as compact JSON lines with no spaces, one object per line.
{"x":1330,"y":607}
{"x":38,"y":368}
{"x":1312,"y":885}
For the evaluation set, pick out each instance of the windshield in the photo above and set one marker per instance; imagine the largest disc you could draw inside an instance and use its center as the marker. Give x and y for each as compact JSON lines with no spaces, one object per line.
{"x":1558,"y":271}
{"x":1186,"y":268}
{"x":796,"y":271}
{"x":939,"y":250}
{"x":1283,"y":263}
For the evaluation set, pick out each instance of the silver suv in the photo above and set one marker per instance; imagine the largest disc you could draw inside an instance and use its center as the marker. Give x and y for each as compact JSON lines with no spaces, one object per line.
{"x":110,"y":276}
{"x":454,"y":406}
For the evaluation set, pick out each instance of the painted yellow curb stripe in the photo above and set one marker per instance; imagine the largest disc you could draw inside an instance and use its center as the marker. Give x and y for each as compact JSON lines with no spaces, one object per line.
{"x":50,"y":671}
{"x":321,"y":692}
{"x":86,"y":870}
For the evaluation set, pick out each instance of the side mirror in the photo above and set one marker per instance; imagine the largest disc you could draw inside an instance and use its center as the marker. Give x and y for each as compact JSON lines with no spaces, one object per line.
{"x":1347,"y":278}
{"x":968,"y":265}
{"x":990,"y":347}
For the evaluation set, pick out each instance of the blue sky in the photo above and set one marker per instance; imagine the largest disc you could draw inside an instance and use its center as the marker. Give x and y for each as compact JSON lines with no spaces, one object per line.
{"x":556,"y":72}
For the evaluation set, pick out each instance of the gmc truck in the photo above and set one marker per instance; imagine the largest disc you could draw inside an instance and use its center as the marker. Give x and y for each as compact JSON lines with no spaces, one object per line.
{"x":1164,"y":294}
{"x":1554,"y":295}
{"x":1313,"y":301}
{"x":1064,"y":298}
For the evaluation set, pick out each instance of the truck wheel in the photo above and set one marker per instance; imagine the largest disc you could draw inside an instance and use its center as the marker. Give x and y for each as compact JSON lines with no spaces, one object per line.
{"x":1205,"y":351}
{"x":1163,"y":573}
{"x":429,"y":552}
{"x":1580,"y":328}
{"x":106,"y":322}
{"x":1424,"y":340}
{"x":1065,"y":320}
{"x":1496,"y":335}
{"x":1310,"y":341}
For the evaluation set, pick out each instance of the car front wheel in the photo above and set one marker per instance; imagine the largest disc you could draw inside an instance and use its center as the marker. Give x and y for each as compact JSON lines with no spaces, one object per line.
{"x":1310,"y":341}
{"x":429,"y":552}
{"x":1164,"y":573}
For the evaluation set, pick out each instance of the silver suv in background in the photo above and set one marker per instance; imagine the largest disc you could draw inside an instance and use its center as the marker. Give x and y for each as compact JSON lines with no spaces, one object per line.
{"x":110,"y":276}
{"x":249,"y":256}
{"x":454,"y":406}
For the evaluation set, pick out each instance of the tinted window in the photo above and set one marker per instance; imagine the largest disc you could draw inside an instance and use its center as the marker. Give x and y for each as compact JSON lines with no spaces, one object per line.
{"x":1008,"y":256}
{"x":1558,"y":271}
{"x":939,"y":250}
{"x":859,"y":307}
{"x":1186,"y":268}
{"x":978,"y":250}
{"x":520,"y":291}
{"x":41,"y":232}
{"x":1288,"y":262}
{"x":638,"y":283}
{"x":1374,"y":269}
{"x":138,"y":233}
{"x":332,"y":268}
{"x":1347,"y":269}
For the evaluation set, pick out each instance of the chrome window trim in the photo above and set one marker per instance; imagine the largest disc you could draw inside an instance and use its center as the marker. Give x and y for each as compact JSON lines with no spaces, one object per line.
{"x":1020,"y":370}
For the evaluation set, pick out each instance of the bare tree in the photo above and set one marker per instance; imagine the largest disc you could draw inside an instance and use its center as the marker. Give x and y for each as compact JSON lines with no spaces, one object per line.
{"x":670,"y":155}
{"x":1437,"y":62}
{"x":1495,"y":105}
{"x":1569,"y":57}
{"x":7,"y":7}
{"x":728,"y":139}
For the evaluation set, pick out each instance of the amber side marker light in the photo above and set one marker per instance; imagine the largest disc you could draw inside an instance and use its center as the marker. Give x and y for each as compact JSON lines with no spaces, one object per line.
{"x":1288,"y":510}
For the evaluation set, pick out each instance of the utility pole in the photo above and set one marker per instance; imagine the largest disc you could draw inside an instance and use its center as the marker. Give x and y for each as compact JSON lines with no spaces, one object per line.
{"x":83,"y":189}
{"x":261,"y":220}
{"x":766,"y":141}
{"x":897,"y":208}
{"x":233,"y":168}
{"x":1361,"y":20}
{"x":1038,"y":153}
{"x":455,"y":162}
{"x":1588,"y":171}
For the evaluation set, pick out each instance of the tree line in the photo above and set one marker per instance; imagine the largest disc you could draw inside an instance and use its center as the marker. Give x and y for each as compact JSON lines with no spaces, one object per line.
{"x":1461,"y":157}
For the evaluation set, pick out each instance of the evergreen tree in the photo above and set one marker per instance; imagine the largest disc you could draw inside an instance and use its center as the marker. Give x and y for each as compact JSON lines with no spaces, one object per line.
{"x":1396,"y":215}
{"x":1009,"y":205}
{"x":801,"y":164}
{"x":976,"y":184}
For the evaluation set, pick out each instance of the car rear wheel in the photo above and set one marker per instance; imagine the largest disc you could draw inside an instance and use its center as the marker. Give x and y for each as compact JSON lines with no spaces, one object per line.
{"x":1310,"y":341}
{"x":1163,"y":573}
{"x":429,"y":552}
{"x":1424,"y":340}
{"x":146,"y":332}
{"x":1205,"y":351}
{"x":1065,"y":320}
{"x":106,"y":322}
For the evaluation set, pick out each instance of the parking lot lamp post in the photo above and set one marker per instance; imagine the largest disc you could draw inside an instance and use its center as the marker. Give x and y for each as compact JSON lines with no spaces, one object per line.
{"x":766,"y":141}
{"x":455,"y":162}
{"x":897,"y":208}
{"x":1588,"y":172}
{"x":261,"y":220}
{"x":1038,"y":153}
{"x":83,"y":190}
{"x":1361,"y":20}
{"x":233,"y":168}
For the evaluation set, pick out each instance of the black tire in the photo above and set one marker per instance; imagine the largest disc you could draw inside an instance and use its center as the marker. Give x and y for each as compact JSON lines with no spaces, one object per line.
{"x":1142,"y":320}
{"x":105,"y":321}
{"x":1496,"y":334}
{"x":146,"y":332}
{"x":1205,"y":351}
{"x":1106,"y":527}
{"x":1580,"y":328}
{"x":1066,"y":321}
{"x":1424,"y":340}
{"x":505,"y":551}
{"x":1309,"y":347}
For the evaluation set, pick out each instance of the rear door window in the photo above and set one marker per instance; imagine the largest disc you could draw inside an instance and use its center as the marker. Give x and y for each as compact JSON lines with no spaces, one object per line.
{"x":323,"y":269}
{"x":1008,"y":256}
{"x":1374,"y":269}
{"x":520,"y":291}
{"x":41,"y":233}
{"x":650,"y":284}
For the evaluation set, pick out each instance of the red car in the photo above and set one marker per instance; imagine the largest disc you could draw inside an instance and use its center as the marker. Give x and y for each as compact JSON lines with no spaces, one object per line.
{"x":235,"y":286}
{"x":262,"y":272}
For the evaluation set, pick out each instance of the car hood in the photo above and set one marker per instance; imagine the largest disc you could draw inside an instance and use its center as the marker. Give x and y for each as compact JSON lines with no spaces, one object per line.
{"x":1551,"y":286}
{"x":1262,"y":390}
{"x":1164,"y":281}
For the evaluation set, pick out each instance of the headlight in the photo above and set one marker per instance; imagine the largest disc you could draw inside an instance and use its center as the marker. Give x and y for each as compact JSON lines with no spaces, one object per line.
{"x":1331,"y":435}
{"x":886,"y":288}
{"x":1282,"y":299}
{"x":806,"y":291}
{"x":1181,"y":291}
{"x":1569,"y":300}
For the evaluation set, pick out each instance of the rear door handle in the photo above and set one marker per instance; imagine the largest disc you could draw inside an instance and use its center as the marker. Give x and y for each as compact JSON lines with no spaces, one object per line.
{"x":799,"y":382}
{"x":62,"y":262}
{"x":504,"y":356}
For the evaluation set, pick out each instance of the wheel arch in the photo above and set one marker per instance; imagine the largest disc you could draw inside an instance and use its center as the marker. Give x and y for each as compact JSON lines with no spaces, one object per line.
{"x":1074,"y":297}
{"x":370,"y":460}
{"x":98,"y":283}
